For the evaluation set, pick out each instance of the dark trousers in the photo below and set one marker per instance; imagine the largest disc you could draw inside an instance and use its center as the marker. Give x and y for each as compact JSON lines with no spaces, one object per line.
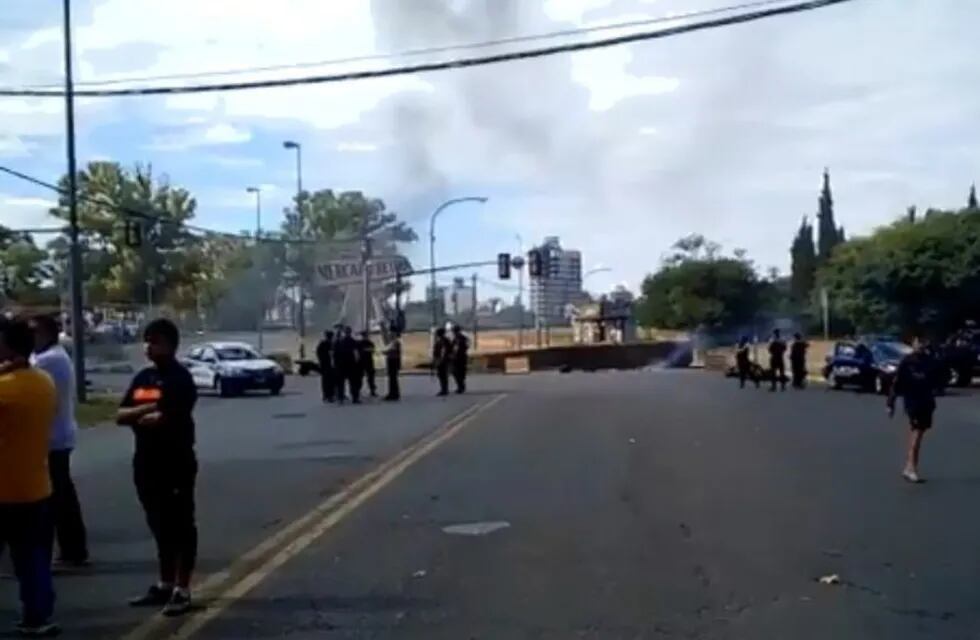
{"x":349,"y":379}
{"x":327,"y":384}
{"x":66,"y":512}
{"x":394,"y":391}
{"x":442,"y":372}
{"x":799,"y":374}
{"x":369,"y":375}
{"x":166,"y":491}
{"x":745,"y":373}
{"x":27,"y":530}
{"x":459,"y":376}
{"x":778,"y":370}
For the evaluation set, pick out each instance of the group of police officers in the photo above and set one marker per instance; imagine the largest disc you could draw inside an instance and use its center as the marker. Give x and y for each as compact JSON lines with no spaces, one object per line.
{"x":777,"y":363}
{"x":346,"y":362}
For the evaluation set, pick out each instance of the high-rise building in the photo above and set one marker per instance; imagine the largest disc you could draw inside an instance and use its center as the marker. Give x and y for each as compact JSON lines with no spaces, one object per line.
{"x":458,"y":297}
{"x":561,"y":284}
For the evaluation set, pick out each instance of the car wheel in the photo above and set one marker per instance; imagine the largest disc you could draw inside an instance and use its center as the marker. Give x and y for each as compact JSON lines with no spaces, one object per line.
{"x":963,"y":378}
{"x":275,"y":390}
{"x":880,"y":387}
{"x":225,"y":387}
{"x":833,"y":381}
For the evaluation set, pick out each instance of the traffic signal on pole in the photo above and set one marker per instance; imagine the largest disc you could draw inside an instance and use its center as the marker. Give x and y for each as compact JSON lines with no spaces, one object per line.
{"x":503,"y":266}
{"x":134,"y":233}
{"x":535,"y":263}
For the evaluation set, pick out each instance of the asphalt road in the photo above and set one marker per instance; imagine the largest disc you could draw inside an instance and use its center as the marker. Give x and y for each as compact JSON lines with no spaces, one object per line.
{"x":650,"y":504}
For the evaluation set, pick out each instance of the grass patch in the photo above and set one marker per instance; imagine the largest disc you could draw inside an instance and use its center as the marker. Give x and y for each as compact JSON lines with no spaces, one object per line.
{"x":100,"y":409}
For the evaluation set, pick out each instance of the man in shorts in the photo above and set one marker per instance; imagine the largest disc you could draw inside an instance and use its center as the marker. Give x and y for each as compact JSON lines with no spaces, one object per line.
{"x":915,"y":383}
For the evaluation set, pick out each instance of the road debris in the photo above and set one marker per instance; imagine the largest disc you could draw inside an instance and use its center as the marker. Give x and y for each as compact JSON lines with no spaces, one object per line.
{"x":475,"y":528}
{"x":421,"y":573}
{"x":832,"y":578}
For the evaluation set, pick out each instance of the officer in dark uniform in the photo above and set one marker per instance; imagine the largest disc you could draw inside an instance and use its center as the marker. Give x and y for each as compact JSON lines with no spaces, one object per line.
{"x":797,"y":360}
{"x":393,"y":364}
{"x":345,"y":362}
{"x":365,"y":354}
{"x":459,"y":355}
{"x":743,"y":363}
{"x":777,"y":363}
{"x":441,"y":358}
{"x":324,"y":357}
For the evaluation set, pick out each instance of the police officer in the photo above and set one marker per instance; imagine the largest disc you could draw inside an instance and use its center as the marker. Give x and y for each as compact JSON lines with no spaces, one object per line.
{"x":777,"y":364}
{"x":797,"y":360}
{"x":324,"y":357}
{"x":441,"y":358}
{"x":345,"y":361}
{"x":393,"y":364}
{"x":365,"y":354}
{"x":743,"y":364}
{"x":459,"y":355}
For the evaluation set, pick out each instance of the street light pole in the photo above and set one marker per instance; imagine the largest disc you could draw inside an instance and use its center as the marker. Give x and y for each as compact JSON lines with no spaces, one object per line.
{"x":258,"y":232}
{"x":432,"y":247}
{"x":75,"y":251}
{"x":301,"y":315}
{"x":520,"y":291}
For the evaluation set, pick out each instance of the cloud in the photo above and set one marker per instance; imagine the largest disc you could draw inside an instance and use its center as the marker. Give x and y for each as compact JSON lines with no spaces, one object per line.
{"x":13,"y":147}
{"x":216,"y":134}
{"x":22,"y":212}
{"x":357,"y":147}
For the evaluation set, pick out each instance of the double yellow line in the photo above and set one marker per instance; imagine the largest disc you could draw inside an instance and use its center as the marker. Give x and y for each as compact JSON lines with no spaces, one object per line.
{"x":220,"y":590}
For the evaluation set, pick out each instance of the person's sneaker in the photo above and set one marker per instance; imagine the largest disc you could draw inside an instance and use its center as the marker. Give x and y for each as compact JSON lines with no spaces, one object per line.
{"x":911,"y":476}
{"x":179,"y":603}
{"x":40,"y":630}
{"x":156,"y":596}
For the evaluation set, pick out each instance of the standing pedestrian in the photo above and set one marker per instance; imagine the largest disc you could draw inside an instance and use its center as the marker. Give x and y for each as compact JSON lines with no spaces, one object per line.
{"x":345,"y":361}
{"x":159,"y":407}
{"x":393,"y":364}
{"x":460,"y":358}
{"x":777,"y":363}
{"x":797,"y":360}
{"x":743,"y":363}
{"x":441,"y":352}
{"x":28,"y":404}
{"x":365,"y":355}
{"x":50,"y":357}
{"x":915,"y":383}
{"x":324,"y":358}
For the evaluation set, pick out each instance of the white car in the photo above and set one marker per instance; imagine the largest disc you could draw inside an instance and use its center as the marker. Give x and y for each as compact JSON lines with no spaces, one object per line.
{"x":231,"y":368}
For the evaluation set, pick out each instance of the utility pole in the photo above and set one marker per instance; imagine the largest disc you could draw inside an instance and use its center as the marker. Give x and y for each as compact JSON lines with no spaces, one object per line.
{"x":476,"y":326}
{"x":258,"y":232}
{"x":301,"y":311}
{"x":365,"y":275}
{"x":77,"y":318}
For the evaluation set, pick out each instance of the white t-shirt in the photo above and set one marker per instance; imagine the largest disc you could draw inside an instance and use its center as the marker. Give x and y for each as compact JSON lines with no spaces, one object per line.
{"x":56,"y":363}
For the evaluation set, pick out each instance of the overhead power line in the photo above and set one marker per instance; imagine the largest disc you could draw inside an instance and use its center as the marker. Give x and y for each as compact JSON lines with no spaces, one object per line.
{"x":485,"y":44}
{"x":427,"y":67}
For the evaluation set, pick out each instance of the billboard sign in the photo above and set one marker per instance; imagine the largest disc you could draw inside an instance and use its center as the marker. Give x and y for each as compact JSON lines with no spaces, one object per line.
{"x":344,"y":272}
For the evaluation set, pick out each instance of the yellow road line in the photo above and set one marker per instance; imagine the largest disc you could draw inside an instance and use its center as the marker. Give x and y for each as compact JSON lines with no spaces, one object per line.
{"x":222,"y":588}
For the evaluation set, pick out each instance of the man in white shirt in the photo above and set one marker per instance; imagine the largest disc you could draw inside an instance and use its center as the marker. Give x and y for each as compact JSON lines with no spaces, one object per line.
{"x":50,"y":357}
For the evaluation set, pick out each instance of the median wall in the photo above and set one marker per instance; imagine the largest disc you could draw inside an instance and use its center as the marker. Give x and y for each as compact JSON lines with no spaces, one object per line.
{"x":590,"y":357}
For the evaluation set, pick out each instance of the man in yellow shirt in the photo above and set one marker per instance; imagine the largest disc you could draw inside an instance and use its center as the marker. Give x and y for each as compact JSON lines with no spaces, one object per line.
{"x":27,"y":408}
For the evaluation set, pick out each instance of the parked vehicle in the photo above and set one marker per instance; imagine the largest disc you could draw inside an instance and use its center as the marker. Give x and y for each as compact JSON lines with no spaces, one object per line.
{"x":231,"y":368}
{"x":962,"y":354}
{"x":869,"y":366}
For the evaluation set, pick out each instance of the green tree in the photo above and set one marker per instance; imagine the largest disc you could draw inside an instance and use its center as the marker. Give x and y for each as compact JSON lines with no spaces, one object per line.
{"x":829,"y":235}
{"x":696,"y":286}
{"x":971,"y":202}
{"x":803,"y":257}
{"x":25,"y":271}
{"x":908,"y":276}
{"x":114,"y":271}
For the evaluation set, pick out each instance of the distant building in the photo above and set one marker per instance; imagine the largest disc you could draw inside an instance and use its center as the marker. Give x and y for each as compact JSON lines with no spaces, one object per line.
{"x":458,"y":297}
{"x":560,"y":287}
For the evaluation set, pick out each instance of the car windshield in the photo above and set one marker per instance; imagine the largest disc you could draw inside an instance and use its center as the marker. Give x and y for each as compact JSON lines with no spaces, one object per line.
{"x":236,"y":353}
{"x":892,"y":350}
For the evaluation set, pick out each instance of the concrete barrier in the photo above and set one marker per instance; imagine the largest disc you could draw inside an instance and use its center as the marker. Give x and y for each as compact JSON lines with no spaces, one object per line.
{"x":591,"y":357}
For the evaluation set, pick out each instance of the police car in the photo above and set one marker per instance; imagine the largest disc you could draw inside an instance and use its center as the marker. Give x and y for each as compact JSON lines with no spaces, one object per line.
{"x":231,"y":368}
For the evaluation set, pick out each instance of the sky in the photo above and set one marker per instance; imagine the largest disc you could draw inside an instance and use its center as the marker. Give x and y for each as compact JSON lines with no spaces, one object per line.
{"x":618,"y":151}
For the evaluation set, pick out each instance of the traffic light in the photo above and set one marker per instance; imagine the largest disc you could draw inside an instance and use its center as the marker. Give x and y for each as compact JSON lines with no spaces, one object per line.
{"x":503,"y":266}
{"x":134,"y":233}
{"x":535,"y":263}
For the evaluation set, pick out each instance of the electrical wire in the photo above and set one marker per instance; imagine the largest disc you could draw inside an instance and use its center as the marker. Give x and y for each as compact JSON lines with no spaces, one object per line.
{"x":428,"y":67}
{"x":419,"y":51}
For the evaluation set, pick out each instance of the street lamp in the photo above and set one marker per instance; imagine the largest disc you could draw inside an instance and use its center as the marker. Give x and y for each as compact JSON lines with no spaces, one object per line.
{"x":258,"y":232}
{"x":301,"y":316}
{"x":519,"y":264}
{"x":432,"y":246}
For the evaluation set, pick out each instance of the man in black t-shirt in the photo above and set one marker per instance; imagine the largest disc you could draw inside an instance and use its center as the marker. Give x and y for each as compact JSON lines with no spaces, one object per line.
{"x":797,"y":360}
{"x":324,"y":358}
{"x":915,"y":382}
{"x":743,"y":363}
{"x":777,"y":364}
{"x":347,"y":366}
{"x":159,"y":406}
{"x":460,"y":357}
{"x":441,"y":352}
